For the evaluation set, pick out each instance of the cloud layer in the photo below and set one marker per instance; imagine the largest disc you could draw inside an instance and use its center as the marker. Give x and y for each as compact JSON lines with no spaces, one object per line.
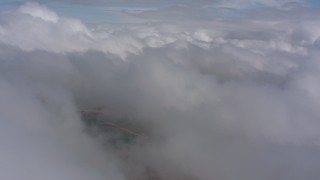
{"x":228,"y":95}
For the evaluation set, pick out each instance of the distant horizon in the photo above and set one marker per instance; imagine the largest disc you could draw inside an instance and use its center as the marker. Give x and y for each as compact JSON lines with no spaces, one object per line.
{"x":94,"y":12}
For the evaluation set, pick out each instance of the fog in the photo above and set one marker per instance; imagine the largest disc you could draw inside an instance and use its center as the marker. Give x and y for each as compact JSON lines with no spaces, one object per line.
{"x":209,"y":96}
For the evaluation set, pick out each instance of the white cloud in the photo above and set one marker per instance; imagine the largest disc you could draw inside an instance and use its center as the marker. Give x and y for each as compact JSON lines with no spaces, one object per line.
{"x":38,"y":11}
{"x":220,"y":97}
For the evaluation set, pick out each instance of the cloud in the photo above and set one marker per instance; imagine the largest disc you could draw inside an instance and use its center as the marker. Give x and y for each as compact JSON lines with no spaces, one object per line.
{"x":39,"y":11}
{"x":216,"y":96}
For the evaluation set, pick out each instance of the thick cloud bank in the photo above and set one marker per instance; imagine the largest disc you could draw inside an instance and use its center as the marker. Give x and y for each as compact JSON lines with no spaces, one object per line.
{"x":231,"y":98}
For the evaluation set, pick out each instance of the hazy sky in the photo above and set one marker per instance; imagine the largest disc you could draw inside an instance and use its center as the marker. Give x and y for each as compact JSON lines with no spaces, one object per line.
{"x":91,"y":12}
{"x":110,"y":10}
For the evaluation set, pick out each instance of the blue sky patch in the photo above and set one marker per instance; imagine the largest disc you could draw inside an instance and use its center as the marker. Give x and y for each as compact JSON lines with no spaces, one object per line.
{"x":103,"y":12}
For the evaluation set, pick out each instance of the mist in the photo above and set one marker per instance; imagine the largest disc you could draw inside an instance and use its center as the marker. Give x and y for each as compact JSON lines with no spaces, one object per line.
{"x":213,"y":92}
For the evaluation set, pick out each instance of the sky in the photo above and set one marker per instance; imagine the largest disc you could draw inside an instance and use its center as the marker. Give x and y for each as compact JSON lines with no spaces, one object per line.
{"x":92,"y":12}
{"x":95,"y":11}
{"x":216,"y":89}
